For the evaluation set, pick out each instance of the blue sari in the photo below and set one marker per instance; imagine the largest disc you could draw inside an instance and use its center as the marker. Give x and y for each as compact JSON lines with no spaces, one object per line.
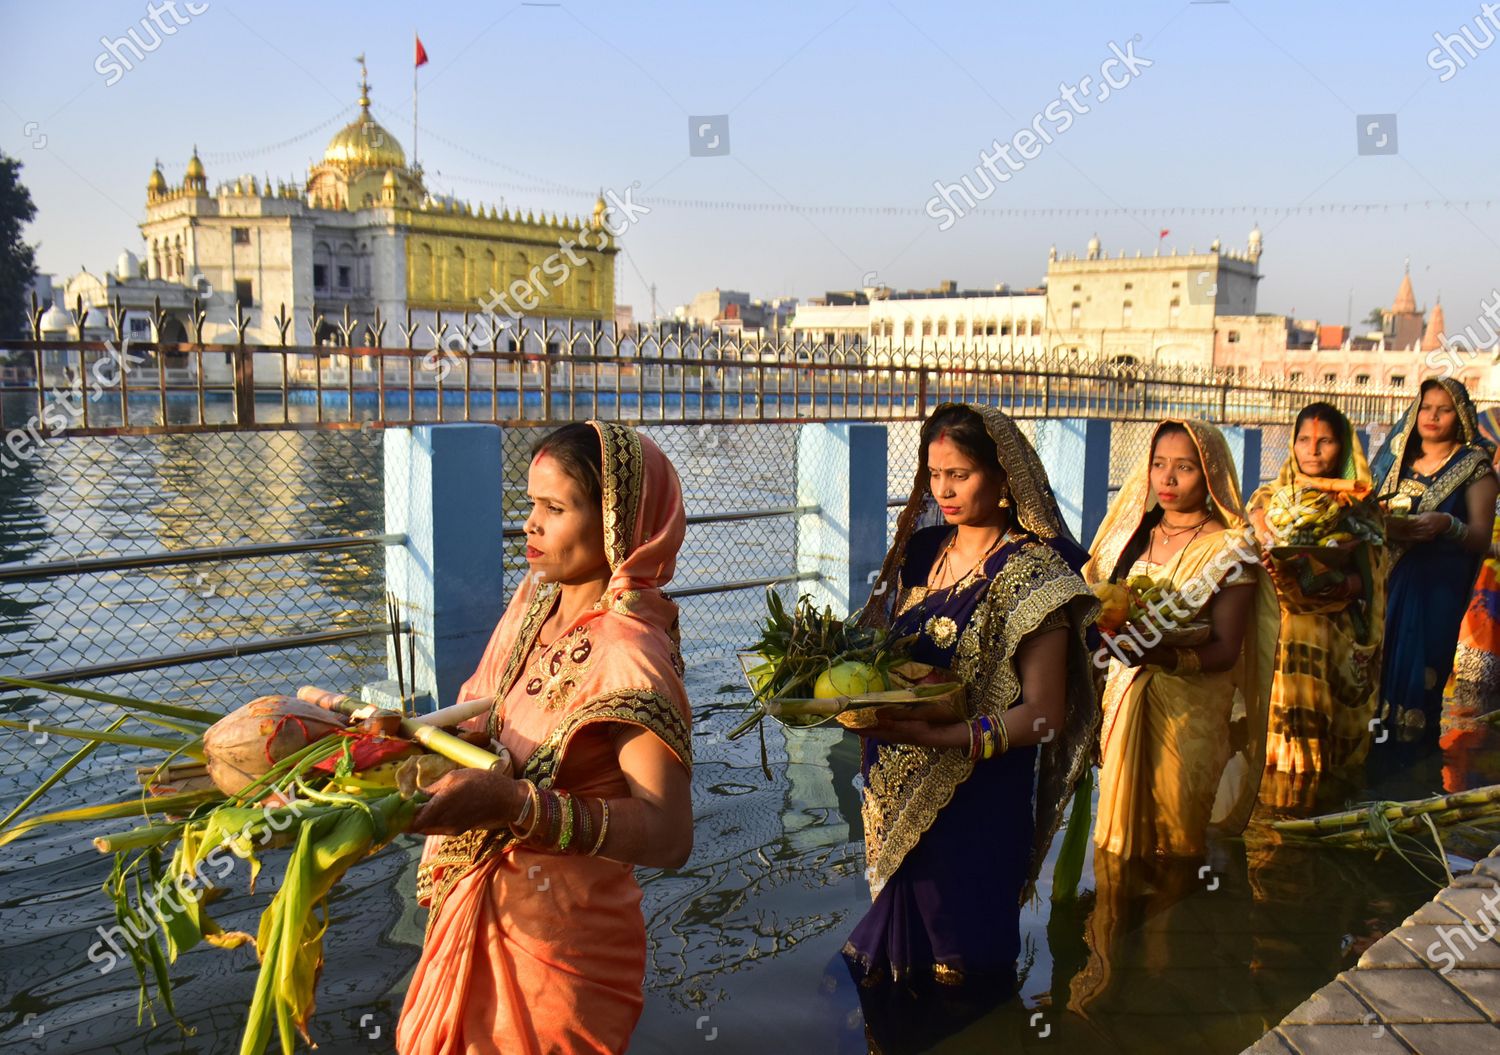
{"x":1426,"y":596}
{"x":952,"y":846}
{"x":1430,"y":582}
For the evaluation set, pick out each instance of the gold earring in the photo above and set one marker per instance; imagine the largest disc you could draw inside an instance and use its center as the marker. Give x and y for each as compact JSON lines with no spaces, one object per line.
{"x":1004,"y":500}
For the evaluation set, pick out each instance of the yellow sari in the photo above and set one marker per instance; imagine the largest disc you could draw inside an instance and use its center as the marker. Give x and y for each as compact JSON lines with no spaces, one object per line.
{"x":1326,"y":688}
{"x":1182,"y":752}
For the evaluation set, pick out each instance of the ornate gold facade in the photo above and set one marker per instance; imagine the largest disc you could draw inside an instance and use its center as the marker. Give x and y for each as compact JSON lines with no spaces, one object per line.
{"x":456,"y":261}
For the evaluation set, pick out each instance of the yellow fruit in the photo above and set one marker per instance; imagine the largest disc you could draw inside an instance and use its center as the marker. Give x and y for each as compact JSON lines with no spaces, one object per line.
{"x":1114,"y":605}
{"x":848,"y":679}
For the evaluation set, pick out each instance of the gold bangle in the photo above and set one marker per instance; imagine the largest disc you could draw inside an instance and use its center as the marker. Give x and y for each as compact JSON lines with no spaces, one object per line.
{"x":532,"y":808}
{"x":603,"y":828}
{"x":1004,"y":734}
{"x":1188,"y":661}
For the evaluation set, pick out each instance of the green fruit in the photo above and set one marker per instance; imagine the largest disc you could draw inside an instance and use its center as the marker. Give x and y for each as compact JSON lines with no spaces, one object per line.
{"x":848,"y":679}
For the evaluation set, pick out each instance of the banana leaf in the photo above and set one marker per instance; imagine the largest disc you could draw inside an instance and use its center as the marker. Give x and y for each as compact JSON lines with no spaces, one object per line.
{"x":100,"y":736}
{"x":141,"y":805}
{"x":1067,"y":870}
{"x":62,"y":771}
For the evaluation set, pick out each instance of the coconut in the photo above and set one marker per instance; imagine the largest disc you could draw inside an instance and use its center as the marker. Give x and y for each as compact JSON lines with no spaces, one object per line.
{"x":242,"y":746}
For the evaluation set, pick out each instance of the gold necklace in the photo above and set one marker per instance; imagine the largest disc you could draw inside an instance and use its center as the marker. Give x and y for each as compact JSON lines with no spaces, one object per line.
{"x":946,"y":565}
{"x":1171,"y":533}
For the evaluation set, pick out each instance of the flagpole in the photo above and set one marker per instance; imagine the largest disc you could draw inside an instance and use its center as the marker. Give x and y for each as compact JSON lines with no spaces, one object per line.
{"x":414,"y":70}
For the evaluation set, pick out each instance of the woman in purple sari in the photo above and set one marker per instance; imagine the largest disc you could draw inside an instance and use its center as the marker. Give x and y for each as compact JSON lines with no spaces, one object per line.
{"x":958,"y":816}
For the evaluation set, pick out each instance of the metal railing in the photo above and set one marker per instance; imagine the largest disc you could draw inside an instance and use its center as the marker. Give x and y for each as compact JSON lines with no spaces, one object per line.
{"x":538,"y":375}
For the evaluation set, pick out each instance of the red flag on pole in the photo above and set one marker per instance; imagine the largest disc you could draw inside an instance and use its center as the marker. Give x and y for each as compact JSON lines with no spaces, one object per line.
{"x":421,"y":53}
{"x":1164,"y":231}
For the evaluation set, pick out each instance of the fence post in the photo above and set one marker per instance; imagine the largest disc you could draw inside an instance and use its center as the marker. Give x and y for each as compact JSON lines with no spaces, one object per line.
{"x":442,"y":491}
{"x":841,"y":469}
{"x":1075,"y":453}
{"x":244,"y":386}
{"x":1244,"y":445}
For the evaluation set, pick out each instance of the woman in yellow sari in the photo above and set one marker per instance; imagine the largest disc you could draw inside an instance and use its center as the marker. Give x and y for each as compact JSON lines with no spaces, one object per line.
{"x":1183,"y":741}
{"x":535,"y":943}
{"x":1326,"y":689}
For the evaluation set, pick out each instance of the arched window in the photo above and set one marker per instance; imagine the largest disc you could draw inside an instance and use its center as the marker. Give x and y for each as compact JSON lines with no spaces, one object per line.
{"x":181,"y":260}
{"x":1075,"y":314}
{"x":908,"y":328}
{"x":1127,"y":312}
{"x":457,"y":280}
{"x":1174,"y":309}
{"x":942,"y":330}
{"x":421,"y":273}
{"x":490,"y":278}
{"x":959,"y":326}
{"x":1004,"y":327}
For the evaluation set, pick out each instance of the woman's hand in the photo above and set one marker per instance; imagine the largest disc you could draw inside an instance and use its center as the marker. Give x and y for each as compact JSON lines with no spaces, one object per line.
{"x":917,"y":732}
{"x":1425,"y":527}
{"x":469,"y":798}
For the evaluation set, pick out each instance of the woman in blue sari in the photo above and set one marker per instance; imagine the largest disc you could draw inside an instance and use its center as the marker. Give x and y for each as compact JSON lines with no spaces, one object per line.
{"x":1433,"y":473}
{"x":958,"y":816}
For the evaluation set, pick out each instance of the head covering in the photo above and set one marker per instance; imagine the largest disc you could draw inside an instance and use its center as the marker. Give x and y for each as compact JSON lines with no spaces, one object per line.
{"x":1489,"y":426}
{"x":1352,"y":463}
{"x":634,"y":647}
{"x":1136,"y":498}
{"x":1386,"y":466}
{"x":1048,"y":569}
{"x":644,"y":524}
{"x":1030,"y":492}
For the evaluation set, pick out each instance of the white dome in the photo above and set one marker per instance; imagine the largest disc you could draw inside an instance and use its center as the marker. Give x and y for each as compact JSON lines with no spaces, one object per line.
{"x":56,"y":322}
{"x":127,"y":266}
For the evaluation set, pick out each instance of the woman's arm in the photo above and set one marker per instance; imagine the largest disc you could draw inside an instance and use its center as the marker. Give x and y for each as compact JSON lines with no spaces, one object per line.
{"x":653,"y":827}
{"x":1481,"y":518}
{"x":1228,"y":616}
{"x":1041,"y":662}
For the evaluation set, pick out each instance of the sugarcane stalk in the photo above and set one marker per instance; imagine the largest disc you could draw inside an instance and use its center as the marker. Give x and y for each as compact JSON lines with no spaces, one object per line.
{"x":139,"y":838}
{"x":436,"y":740}
{"x":1414,"y":823}
{"x":1339,"y":822}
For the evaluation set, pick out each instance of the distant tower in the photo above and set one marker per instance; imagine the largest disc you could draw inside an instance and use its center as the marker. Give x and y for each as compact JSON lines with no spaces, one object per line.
{"x":196,"y":180}
{"x":1432,"y":340}
{"x":1094,"y":248}
{"x":1254,"y":248}
{"x":1404,"y":327}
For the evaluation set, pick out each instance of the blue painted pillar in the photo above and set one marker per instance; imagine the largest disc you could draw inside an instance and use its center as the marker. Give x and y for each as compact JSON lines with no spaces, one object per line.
{"x":841,"y":469}
{"x":1244,"y":445}
{"x":442,"y":491}
{"x":1075,"y":453}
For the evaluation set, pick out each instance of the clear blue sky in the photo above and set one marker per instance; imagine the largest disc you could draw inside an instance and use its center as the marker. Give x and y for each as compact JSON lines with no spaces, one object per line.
{"x":859,"y":104}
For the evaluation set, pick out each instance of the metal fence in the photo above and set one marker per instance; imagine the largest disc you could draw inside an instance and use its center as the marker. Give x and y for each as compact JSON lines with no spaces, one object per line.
{"x":207,"y":528}
{"x":529,"y":375}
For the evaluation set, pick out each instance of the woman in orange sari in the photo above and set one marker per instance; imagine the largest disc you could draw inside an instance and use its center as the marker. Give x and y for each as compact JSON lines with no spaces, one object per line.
{"x":535,"y":942}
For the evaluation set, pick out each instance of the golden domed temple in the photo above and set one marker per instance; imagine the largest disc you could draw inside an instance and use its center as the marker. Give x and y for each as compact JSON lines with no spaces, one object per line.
{"x":362,"y":232}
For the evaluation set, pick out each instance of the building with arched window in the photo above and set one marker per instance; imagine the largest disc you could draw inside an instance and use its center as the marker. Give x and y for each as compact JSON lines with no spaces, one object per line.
{"x":362,"y":232}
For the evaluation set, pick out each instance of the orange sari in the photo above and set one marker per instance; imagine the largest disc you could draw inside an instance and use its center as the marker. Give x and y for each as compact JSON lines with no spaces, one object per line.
{"x":530,"y":952}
